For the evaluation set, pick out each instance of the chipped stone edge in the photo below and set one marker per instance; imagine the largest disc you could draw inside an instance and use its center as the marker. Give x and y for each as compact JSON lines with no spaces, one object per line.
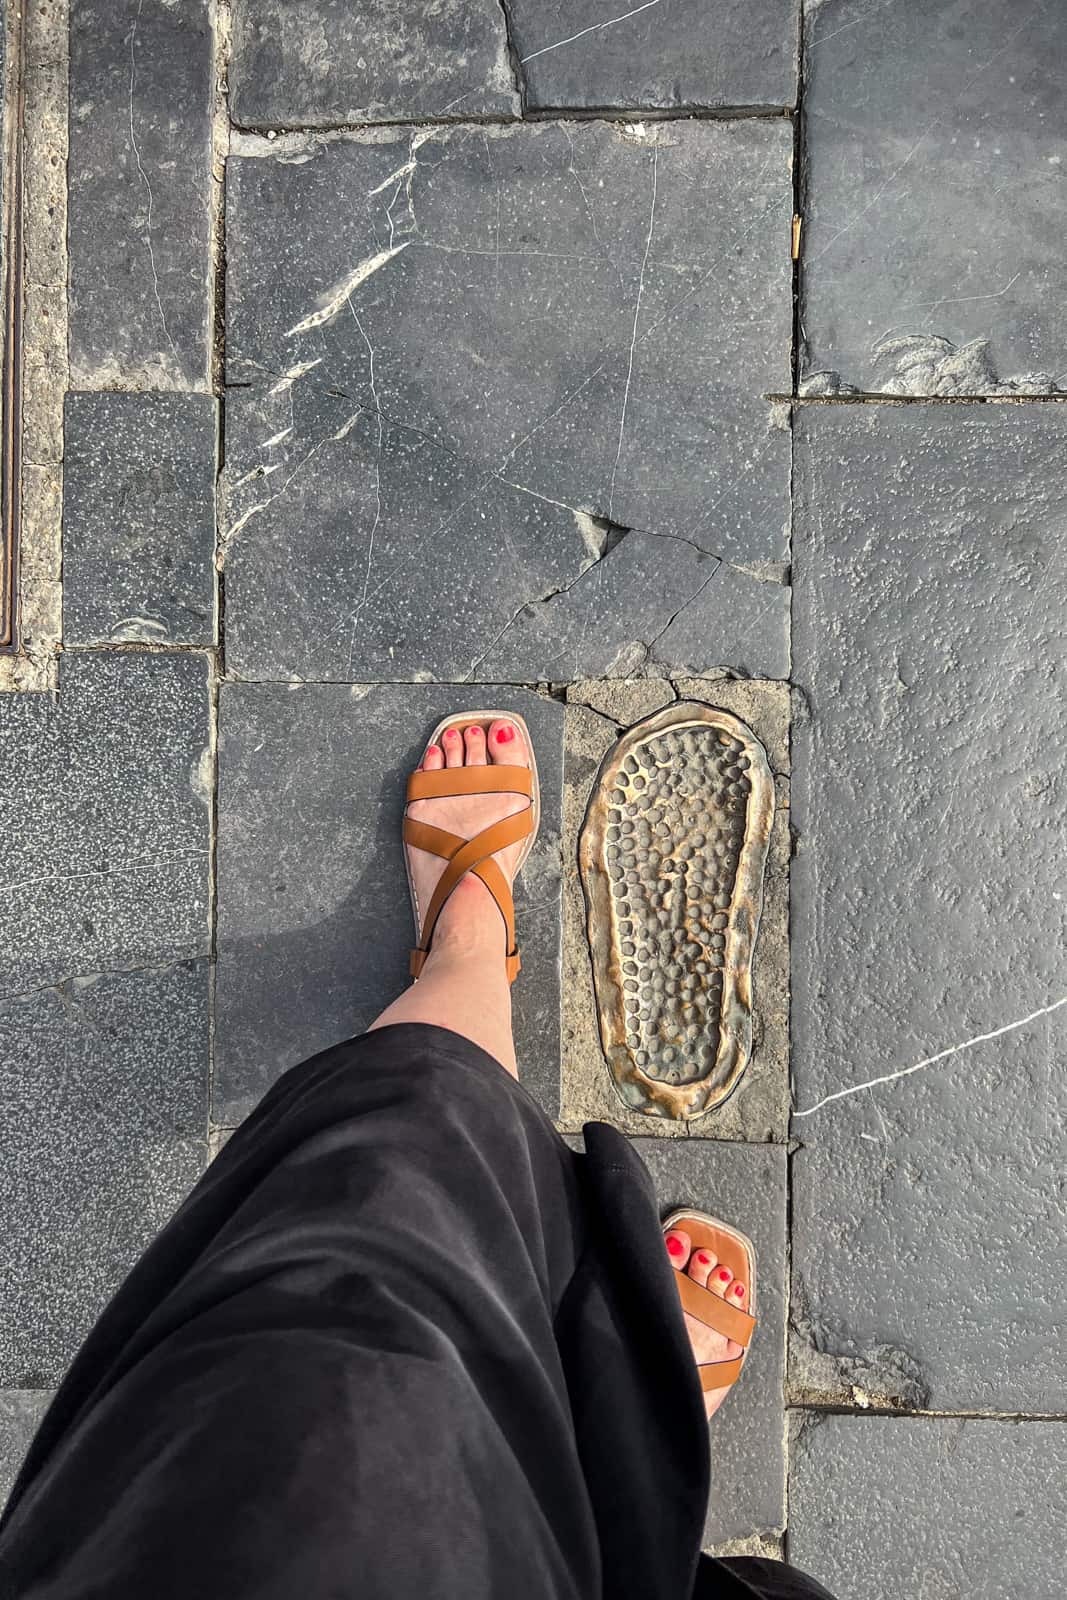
{"x":39,"y":614}
{"x":693,"y":1099}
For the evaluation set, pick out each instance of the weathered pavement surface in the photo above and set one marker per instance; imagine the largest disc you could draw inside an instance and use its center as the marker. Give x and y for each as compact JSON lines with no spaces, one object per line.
{"x":381,"y":365}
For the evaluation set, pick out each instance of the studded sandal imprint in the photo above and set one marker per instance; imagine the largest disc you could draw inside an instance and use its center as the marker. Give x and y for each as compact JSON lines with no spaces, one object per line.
{"x":672,"y":854}
{"x":474,"y":854}
{"x":732,"y":1250}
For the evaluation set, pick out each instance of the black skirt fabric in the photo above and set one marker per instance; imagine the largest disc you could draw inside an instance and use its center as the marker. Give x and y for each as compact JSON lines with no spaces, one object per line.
{"x":400,"y":1341}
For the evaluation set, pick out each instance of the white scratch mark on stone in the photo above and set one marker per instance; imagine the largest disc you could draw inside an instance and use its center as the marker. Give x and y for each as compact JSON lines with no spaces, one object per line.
{"x":927,"y":131}
{"x":335,"y":301}
{"x":597,"y":27}
{"x":275,"y":438}
{"x":930,"y":1061}
{"x":633,"y":338}
{"x":292,"y":374}
{"x":357,"y":613}
{"x":127,"y":870}
{"x":148,"y":187}
{"x":261,"y":505}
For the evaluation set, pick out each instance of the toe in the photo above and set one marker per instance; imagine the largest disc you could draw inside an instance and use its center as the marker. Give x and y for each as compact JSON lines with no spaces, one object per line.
{"x":434,"y":758}
{"x":474,"y":743}
{"x":506,"y":743}
{"x":679,"y":1246}
{"x":736,"y":1292}
{"x":452,"y":740}
{"x":719,"y":1280}
{"x":701,"y":1263}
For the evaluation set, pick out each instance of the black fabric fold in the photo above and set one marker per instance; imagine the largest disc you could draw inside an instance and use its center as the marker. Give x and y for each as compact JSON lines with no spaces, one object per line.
{"x":400,"y":1341}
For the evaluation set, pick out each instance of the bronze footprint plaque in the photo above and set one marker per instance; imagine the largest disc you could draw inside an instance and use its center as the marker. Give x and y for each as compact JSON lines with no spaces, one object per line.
{"x":672,"y":855}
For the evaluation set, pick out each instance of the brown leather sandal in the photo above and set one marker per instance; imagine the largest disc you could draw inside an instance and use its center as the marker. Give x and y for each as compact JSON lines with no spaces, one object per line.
{"x":731,"y":1249}
{"x":476,"y":854}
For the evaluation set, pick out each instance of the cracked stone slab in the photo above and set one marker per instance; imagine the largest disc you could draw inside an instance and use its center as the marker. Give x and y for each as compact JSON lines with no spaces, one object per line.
{"x":745,"y":1185}
{"x":314,"y":922}
{"x":595,"y":55}
{"x":331,"y":63}
{"x":140,"y":194}
{"x":139,"y":518}
{"x":935,"y":184}
{"x":21,"y":1411}
{"x":927,"y":908}
{"x":971,"y":1503}
{"x":104,"y":813}
{"x":104,"y":1109}
{"x":760,"y":1107}
{"x":431,"y":417}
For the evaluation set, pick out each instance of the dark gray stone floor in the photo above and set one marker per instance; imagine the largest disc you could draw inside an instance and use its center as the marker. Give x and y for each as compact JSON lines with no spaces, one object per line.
{"x":659,"y":55}
{"x":140,"y":194}
{"x":104,"y":1102}
{"x":934,"y":1506}
{"x":327,"y":62}
{"x":927,"y":799}
{"x":488,"y":318}
{"x":104,"y":814}
{"x":934,"y":184}
{"x":139,"y":518}
{"x":314,"y":920}
{"x":479,"y":340}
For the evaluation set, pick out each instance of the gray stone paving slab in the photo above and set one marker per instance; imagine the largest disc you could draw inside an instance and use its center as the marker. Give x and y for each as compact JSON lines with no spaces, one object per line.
{"x":935,"y":188}
{"x":140,"y":193}
{"x":328,"y":62}
{"x":314,"y":921}
{"x":139,"y":518}
{"x":744,"y":1184}
{"x":103,"y":1122}
{"x":435,"y":414}
{"x":20,"y":1412}
{"x":759,"y":1108}
{"x":937,"y":1507}
{"x":597,"y":54}
{"x":928,"y":793}
{"x":104,"y":814}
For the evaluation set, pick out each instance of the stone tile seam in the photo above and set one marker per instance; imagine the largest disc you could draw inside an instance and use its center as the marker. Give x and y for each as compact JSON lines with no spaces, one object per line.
{"x":618,"y":115}
{"x":873,"y":397}
{"x":818,"y":1414}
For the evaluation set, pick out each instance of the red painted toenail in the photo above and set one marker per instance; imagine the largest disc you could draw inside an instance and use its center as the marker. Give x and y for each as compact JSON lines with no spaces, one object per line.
{"x":724,"y":1276}
{"x":738,"y":1290}
{"x":675,"y":1245}
{"x":505,"y":734}
{"x":703,"y":1257}
{"x":451,"y":733}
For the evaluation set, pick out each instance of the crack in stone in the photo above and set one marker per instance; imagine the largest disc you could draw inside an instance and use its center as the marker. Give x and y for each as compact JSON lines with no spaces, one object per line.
{"x":130,"y":869}
{"x":595,"y":27}
{"x":633,"y":337}
{"x":929,"y":1061}
{"x":551,"y":593}
{"x":148,"y":187}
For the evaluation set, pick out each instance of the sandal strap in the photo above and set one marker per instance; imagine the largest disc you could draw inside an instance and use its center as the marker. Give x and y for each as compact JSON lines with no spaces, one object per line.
{"x":439,"y":842}
{"x":715,"y":1312}
{"x":720,"y":1374}
{"x":469,"y":855}
{"x":445,"y":781}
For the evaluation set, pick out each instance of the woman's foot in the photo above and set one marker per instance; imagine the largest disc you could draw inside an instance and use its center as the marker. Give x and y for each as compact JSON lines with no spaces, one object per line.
{"x":470,"y":920}
{"x":703,"y":1267}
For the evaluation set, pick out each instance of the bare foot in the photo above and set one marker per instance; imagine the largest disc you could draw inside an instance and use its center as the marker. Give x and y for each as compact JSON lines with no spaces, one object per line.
{"x":469,"y":919}
{"x":708,"y":1345}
